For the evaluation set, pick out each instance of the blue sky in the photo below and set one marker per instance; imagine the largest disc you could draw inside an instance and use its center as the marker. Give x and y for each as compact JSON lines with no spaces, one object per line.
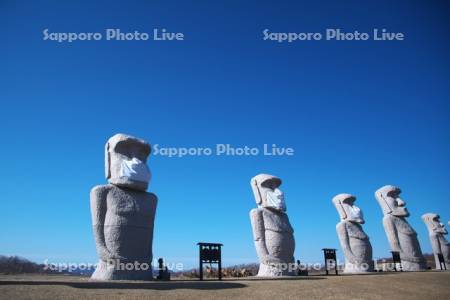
{"x":359,"y":114}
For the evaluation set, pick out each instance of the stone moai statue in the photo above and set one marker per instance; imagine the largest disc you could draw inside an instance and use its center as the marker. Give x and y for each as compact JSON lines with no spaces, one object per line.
{"x":400,"y":234}
{"x":439,"y":244}
{"x":123,"y":213}
{"x":272,"y":232}
{"x":354,"y":241}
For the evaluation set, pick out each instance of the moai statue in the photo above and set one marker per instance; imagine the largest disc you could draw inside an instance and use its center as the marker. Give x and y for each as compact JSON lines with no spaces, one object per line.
{"x":400,"y":234}
{"x":439,"y":244}
{"x":123,"y":213}
{"x":354,"y":241}
{"x":272,"y":232}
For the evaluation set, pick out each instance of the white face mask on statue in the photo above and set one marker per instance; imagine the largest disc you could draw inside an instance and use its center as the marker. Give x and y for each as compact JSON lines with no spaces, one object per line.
{"x":275,"y":199}
{"x":135,"y":170}
{"x":355,"y":212}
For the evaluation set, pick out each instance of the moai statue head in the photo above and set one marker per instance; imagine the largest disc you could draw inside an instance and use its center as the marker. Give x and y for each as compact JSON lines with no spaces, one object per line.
{"x":267,"y":193}
{"x":348,"y":211}
{"x":389,"y":199}
{"x":125,"y":162}
{"x":433,"y":223}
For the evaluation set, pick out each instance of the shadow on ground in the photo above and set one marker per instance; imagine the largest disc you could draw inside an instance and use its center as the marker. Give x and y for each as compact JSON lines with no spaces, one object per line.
{"x":154,"y":285}
{"x":275,"y":279}
{"x":172,"y":285}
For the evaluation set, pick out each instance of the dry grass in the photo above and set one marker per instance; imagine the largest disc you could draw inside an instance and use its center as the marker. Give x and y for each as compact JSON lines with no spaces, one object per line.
{"x":420,"y":285}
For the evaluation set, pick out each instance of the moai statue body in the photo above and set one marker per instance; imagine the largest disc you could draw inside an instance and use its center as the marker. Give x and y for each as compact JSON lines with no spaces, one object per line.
{"x":354,"y":241}
{"x":123,"y":212}
{"x":402,"y":237}
{"x":272,"y":232}
{"x":439,"y":244}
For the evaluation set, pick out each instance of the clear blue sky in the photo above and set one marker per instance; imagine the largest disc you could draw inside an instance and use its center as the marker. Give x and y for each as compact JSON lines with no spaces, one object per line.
{"x":358,"y":114}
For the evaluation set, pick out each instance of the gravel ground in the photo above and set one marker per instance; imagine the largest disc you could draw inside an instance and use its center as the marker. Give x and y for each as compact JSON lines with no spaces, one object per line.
{"x":415,"y":285}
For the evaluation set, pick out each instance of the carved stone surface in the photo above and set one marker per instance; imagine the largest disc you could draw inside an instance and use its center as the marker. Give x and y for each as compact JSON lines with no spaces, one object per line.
{"x":400,"y":234}
{"x":354,"y":241}
{"x":123,"y":212}
{"x":272,"y":232}
{"x":439,"y":243}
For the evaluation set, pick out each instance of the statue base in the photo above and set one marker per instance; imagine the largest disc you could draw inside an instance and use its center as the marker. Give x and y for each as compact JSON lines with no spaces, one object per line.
{"x":358,"y":268}
{"x":413,"y":266}
{"x":277,"y":270}
{"x":125,"y":271}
